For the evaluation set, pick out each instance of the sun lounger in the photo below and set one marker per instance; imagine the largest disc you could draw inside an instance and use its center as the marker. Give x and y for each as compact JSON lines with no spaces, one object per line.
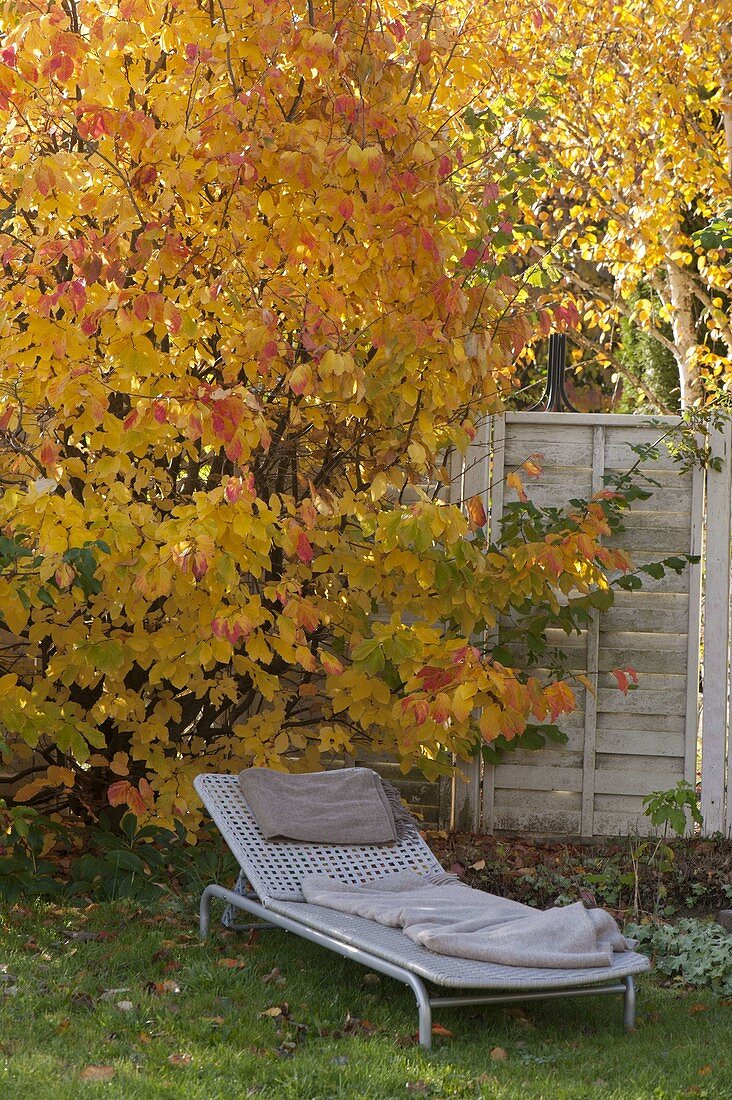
{"x":269,"y":889}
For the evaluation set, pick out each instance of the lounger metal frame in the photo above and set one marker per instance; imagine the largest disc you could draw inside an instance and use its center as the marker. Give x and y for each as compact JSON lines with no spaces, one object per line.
{"x":283,"y":863}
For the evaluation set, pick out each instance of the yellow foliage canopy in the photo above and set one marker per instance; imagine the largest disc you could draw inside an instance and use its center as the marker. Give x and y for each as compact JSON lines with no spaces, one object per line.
{"x":249,"y":296}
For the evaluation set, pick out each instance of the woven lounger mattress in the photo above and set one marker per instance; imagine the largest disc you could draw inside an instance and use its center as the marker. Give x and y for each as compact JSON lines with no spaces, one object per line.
{"x":444,"y":970}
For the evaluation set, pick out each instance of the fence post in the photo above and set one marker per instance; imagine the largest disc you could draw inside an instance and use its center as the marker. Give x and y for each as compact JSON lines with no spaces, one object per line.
{"x":716,"y":631}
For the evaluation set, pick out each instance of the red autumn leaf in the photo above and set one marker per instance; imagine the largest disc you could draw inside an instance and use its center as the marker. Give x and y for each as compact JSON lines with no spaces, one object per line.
{"x":345,"y":209}
{"x":117,"y":792}
{"x":434,"y":678}
{"x":304,"y":548}
{"x":62,"y":67}
{"x":470,"y":258}
{"x":424,"y":52}
{"x":199,"y":567}
{"x":48,"y":454}
{"x":622,"y":676}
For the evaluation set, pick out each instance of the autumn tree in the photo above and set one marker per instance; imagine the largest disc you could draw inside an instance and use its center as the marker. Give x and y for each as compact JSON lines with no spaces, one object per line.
{"x":251,"y":300}
{"x":632,"y":115}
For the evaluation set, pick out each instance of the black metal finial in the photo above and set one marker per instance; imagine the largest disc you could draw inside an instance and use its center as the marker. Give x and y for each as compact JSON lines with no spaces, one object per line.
{"x":555,"y":395}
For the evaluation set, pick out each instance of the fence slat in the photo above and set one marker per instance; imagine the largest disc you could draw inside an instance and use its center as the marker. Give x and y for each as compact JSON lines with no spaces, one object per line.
{"x":592,"y":663}
{"x":716,"y":630}
{"x":476,"y":477}
{"x":495,"y":511}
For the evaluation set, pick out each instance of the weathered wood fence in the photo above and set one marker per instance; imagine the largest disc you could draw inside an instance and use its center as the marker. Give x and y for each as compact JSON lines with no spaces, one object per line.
{"x":619,"y":747}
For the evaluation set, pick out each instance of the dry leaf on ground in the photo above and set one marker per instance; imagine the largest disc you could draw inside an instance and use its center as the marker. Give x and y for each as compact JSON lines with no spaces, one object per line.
{"x":181,"y":1059}
{"x":160,"y":989}
{"x":97,"y":1073}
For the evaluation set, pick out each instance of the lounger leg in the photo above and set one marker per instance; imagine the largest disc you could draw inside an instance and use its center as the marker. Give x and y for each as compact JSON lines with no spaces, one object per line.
{"x":425,"y":1011}
{"x":629,"y":1004}
{"x":204,"y":912}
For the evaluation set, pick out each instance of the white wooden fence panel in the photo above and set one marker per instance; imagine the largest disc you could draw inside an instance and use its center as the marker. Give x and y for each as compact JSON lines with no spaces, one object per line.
{"x":620,"y":748}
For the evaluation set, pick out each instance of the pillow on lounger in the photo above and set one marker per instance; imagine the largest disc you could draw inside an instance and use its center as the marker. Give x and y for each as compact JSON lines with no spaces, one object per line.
{"x":348,"y":806}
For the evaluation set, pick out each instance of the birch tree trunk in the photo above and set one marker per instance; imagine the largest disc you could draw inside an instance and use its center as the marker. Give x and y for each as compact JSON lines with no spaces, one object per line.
{"x":681,"y":297}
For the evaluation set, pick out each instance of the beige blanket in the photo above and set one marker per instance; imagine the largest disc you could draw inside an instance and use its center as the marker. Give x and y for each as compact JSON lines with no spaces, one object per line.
{"x":454,"y":919}
{"x":348,"y":806}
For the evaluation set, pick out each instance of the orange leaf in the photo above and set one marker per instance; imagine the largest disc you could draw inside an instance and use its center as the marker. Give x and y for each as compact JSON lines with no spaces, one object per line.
{"x":532,"y":466}
{"x":118,"y":793}
{"x":118,"y":764}
{"x":514,"y":481}
{"x":476,"y":513}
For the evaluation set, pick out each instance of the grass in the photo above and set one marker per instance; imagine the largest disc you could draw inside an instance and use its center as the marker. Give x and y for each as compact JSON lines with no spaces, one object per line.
{"x":341,"y":1033}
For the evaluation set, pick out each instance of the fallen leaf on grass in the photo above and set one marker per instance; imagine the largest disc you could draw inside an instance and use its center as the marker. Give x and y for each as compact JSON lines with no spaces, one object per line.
{"x":276,"y":1010}
{"x":697,"y":1007}
{"x":182,"y":1059}
{"x":518,"y":1015}
{"x":275,"y":977}
{"x":353,"y":1025}
{"x":215,"y":1021}
{"x":82,"y":1000}
{"x":112,"y":994}
{"x":161,"y":989}
{"x":232,"y":964}
{"x":371,"y":979}
{"x":479,"y":866}
{"x":84,"y":937}
{"x":97,"y":1073}
{"x":438,"y":1029}
{"x":420,"y":1088}
{"x":704,"y":1070}
{"x":125,"y":1006}
{"x":63,"y":1025}
{"x":498,"y":1054}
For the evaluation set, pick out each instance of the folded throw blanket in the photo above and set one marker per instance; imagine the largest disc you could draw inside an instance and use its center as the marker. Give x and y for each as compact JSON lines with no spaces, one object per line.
{"x":348,"y":806}
{"x":454,"y":919}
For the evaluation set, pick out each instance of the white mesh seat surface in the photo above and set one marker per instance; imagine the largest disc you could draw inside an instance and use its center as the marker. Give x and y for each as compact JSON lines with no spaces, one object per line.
{"x":276,"y":870}
{"x":445,"y":970}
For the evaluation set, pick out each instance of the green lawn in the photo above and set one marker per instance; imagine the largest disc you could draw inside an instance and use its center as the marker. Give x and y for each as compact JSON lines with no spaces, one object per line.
{"x":192,"y":1023}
